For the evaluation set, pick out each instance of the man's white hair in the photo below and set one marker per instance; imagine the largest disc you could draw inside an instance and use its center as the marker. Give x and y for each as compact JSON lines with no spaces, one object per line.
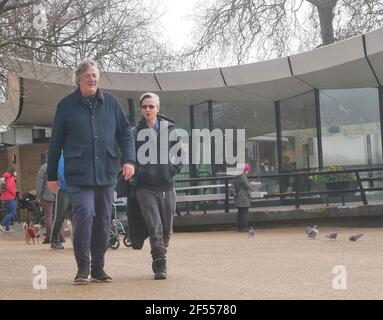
{"x":150,"y":95}
{"x":83,"y":66}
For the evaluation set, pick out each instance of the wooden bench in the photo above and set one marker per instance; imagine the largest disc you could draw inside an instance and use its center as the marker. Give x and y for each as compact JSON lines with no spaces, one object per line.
{"x":210,"y":197}
{"x":198,"y":198}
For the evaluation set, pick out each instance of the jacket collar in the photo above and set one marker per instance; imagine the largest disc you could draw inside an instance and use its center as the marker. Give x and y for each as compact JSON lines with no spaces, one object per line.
{"x":78,"y":97}
{"x":161,"y":118}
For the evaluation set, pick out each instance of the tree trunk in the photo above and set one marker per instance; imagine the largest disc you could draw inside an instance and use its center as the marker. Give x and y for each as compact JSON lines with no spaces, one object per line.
{"x":326,"y":16}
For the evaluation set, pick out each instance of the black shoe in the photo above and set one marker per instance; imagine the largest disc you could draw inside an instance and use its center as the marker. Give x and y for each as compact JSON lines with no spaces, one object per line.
{"x":82,"y":277}
{"x":100,"y":276}
{"x":159,"y":269}
{"x":46,"y":240}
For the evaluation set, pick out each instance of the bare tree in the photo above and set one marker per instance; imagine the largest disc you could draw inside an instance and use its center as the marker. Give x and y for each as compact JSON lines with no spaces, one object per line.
{"x":117,"y":33}
{"x":235,"y":31}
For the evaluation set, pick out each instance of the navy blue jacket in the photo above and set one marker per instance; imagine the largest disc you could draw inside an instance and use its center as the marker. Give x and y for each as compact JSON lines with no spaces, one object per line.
{"x":95,"y":142}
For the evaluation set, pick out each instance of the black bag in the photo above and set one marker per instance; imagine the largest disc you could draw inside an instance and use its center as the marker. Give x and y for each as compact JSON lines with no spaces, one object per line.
{"x":136,"y":224}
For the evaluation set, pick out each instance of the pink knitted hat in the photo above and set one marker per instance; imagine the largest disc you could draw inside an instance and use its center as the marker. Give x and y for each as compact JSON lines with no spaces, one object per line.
{"x":247,"y":167}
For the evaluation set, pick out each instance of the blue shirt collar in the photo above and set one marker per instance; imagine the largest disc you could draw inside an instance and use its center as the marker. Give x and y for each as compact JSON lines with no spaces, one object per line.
{"x":157,"y":125}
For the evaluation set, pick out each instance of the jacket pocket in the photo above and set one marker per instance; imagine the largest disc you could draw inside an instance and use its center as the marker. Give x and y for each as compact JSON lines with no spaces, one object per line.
{"x":148,"y":174}
{"x":113,"y":160}
{"x":74,"y":162}
{"x":168,"y":172}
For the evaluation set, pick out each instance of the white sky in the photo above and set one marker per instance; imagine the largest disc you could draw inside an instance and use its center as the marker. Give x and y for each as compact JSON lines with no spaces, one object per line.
{"x":177,"y":26}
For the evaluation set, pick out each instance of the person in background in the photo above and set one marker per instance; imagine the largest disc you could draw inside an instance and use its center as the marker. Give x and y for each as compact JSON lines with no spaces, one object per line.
{"x":264,"y":170}
{"x":47,"y":199}
{"x":242,"y":198}
{"x":8,"y":198}
{"x":62,"y":209}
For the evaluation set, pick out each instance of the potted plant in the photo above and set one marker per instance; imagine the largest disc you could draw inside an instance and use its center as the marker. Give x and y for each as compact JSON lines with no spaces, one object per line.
{"x":334,"y":181}
{"x":336,"y":177}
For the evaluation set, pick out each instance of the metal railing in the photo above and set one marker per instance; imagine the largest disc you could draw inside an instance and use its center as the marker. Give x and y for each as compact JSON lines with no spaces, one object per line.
{"x":297,"y":177}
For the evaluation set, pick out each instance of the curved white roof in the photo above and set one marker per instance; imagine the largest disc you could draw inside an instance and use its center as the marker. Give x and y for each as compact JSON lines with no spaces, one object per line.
{"x":355,"y":62}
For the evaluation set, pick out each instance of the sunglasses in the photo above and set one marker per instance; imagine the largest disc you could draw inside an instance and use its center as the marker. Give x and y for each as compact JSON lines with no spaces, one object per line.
{"x":151,"y":107}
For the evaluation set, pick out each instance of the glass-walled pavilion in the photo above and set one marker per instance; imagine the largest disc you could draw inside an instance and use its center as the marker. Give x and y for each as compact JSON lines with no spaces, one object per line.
{"x":305,"y":112}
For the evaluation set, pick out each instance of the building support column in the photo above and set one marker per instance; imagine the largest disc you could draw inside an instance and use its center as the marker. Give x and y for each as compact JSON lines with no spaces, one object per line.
{"x":192,"y":166}
{"x":132,"y":113}
{"x":319,"y":129}
{"x":212,"y":141}
{"x":381,"y":116}
{"x":278,"y":126}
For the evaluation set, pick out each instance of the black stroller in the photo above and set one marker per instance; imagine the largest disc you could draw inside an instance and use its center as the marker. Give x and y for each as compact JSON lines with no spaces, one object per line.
{"x":116,"y":230}
{"x":35,"y":212}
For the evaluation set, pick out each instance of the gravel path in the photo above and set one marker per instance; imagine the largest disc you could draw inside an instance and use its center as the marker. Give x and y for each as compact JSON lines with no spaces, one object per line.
{"x":275,"y":264}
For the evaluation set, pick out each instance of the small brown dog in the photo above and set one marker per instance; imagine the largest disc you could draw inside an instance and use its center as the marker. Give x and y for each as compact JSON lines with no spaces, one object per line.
{"x":32,"y":233}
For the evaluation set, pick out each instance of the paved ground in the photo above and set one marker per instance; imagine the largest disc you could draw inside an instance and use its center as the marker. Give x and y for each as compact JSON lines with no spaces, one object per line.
{"x":276,"y":264}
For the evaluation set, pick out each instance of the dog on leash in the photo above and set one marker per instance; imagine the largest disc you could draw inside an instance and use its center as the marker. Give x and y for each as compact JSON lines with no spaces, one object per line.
{"x":31,"y":233}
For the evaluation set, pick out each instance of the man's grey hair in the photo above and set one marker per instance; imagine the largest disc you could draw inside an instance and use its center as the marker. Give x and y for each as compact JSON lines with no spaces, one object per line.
{"x":83,"y":66}
{"x":150,"y":95}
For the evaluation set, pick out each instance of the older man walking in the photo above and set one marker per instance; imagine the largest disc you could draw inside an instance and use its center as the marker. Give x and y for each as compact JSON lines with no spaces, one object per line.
{"x":96,"y":139}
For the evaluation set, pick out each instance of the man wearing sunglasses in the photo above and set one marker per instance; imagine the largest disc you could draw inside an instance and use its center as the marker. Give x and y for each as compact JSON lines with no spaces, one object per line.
{"x":155,"y":178}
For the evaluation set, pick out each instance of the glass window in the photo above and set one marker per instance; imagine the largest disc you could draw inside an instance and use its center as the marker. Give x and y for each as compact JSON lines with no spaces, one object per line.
{"x":350,"y":127}
{"x":298,"y":132}
{"x":258,"y":120}
{"x":201,"y":121}
{"x":351,"y":135}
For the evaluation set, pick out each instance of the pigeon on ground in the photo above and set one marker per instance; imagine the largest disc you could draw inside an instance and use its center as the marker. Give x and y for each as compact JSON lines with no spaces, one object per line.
{"x":355,"y":237}
{"x":312,"y":231}
{"x":251,"y":232}
{"x":332,"y":235}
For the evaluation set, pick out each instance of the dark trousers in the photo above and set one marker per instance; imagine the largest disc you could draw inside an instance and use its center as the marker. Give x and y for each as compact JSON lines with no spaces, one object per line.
{"x":242,"y":218}
{"x":157,"y":209}
{"x":48,"y":213}
{"x":62,"y":210}
{"x":91,"y":219}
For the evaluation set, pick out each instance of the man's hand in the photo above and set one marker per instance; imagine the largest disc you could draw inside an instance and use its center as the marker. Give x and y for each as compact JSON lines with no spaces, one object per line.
{"x":127,"y":171}
{"x":53,"y":186}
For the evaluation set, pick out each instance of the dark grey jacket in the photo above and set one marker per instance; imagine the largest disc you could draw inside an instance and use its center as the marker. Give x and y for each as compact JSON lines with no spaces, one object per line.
{"x":159,"y":177}
{"x":95,"y":142}
{"x":242,"y":190}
